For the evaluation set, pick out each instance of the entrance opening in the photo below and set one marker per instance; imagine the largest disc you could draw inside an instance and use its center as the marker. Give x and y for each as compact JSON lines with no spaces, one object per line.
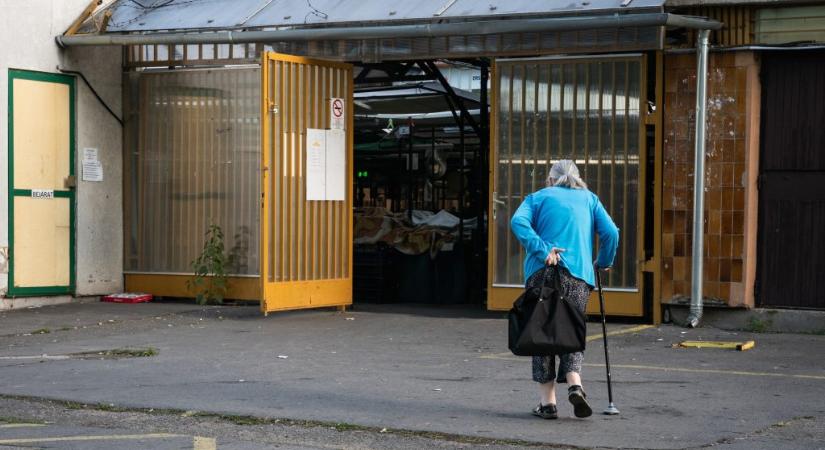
{"x":420,"y":183}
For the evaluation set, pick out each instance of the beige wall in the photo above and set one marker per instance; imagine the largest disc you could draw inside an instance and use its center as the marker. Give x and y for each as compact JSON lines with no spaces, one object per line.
{"x":27,"y":30}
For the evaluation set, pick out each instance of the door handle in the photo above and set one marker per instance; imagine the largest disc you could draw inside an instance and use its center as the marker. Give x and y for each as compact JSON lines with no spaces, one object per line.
{"x":496,"y":201}
{"x":70,"y":182}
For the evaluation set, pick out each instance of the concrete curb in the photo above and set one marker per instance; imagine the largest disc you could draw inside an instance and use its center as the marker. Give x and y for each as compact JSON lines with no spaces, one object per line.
{"x":13,"y":303}
{"x":759,"y":320}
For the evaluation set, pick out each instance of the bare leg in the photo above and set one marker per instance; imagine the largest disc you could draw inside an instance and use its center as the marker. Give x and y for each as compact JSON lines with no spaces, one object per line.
{"x":547,"y":392}
{"x":573,"y":378}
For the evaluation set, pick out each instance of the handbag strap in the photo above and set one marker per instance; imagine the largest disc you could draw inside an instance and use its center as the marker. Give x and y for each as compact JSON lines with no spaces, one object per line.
{"x":556,"y":285}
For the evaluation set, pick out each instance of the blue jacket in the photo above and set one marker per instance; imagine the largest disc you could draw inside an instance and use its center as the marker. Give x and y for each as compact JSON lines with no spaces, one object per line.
{"x":565,"y":218}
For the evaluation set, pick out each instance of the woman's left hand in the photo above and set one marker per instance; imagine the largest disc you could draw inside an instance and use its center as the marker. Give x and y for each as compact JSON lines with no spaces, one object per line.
{"x":554,"y":257}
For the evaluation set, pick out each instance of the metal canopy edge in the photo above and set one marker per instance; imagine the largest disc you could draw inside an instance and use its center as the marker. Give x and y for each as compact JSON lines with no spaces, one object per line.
{"x":155,"y":15}
{"x":398,"y":31}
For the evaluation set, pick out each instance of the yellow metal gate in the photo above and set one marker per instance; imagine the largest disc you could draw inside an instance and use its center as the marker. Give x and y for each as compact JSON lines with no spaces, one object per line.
{"x":306,"y":244}
{"x":585,"y":109}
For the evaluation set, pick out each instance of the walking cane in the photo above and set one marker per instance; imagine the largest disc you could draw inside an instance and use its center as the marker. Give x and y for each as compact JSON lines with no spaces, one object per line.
{"x":611,"y":409}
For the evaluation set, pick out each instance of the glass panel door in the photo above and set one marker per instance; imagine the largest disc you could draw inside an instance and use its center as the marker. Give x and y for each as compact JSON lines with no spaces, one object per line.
{"x":584,"y":109}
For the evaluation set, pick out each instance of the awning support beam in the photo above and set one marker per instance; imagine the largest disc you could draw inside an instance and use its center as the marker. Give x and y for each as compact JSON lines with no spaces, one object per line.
{"x":452,"y":98}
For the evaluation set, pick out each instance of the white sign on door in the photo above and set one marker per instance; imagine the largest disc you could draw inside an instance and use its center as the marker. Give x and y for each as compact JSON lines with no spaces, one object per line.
{"x":337,"y":114}
{"x":316,"y":164}
{"x":44,"y":194}
{"x":336,"y":165}
{"x":326,"y":164}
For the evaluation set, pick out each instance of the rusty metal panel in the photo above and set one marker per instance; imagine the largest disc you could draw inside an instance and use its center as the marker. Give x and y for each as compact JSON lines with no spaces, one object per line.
{"x":737,"y":24}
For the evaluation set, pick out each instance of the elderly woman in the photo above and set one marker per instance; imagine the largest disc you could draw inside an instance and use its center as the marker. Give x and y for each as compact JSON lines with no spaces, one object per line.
{"x":556,"y":226}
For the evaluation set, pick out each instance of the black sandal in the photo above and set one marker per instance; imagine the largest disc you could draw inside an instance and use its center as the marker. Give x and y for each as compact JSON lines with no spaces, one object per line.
{"x":578,"y":398}
{"x":546,"y":411}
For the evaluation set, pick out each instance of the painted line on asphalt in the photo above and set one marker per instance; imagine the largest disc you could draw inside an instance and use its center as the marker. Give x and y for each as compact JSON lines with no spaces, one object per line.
{"x":714,"y":371}
{"x":113,"y":437}
{"x":590,"y":338}
{"x":21,"y":425}
{"x":204,"y":443}
{"x":510,"y":357}
{"x":630,"y":330}
{"x":39,"y":357}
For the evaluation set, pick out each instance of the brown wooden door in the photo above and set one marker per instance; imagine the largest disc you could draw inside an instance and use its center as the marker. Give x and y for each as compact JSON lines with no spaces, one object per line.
{"x":791,"y":253}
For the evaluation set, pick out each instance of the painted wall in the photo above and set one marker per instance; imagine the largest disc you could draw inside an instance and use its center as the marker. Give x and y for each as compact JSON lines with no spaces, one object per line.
{"x":790,"y":24}
{"x":27,"y":31}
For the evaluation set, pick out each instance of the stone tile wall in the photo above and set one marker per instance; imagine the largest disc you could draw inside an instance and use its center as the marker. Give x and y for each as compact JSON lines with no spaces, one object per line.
{"x":726,"y":183}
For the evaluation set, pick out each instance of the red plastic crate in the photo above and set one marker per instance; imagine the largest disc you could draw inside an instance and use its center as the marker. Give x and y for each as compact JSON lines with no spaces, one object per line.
{"x":127,"y":297}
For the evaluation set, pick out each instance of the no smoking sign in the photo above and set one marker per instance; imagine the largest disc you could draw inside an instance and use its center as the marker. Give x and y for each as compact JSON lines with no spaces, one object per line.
{"x":337,"y":113}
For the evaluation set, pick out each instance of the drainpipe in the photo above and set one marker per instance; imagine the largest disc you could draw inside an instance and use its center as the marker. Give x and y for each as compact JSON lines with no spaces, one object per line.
{"x":699,"y":180}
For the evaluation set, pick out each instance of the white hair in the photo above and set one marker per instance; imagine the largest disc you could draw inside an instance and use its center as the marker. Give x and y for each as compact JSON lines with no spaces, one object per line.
{"x":565,"y":173}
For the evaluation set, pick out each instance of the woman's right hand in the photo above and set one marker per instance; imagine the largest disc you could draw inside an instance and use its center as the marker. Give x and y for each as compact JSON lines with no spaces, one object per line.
{"x":554,"y":257}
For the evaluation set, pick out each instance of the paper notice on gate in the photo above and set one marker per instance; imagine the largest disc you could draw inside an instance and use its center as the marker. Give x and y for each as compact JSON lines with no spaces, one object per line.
{"x":336,"y":165}
{"x":316,"y":164}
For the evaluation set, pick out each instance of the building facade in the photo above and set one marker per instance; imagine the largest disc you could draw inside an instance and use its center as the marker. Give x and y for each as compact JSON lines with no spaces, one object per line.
{"x":204,"y":138}
{"x":59,"y":235}
{"x":764,"y":179}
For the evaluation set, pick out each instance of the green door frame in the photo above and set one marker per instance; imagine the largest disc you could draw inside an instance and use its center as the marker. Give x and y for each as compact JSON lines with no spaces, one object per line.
{"x":15,"y":74}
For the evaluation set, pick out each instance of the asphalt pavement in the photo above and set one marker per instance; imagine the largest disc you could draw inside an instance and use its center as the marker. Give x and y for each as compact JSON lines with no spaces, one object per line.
{"x":392,"y":376}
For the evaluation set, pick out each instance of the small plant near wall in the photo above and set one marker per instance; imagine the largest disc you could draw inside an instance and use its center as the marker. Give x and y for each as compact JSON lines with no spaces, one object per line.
{"x":209,"y":281}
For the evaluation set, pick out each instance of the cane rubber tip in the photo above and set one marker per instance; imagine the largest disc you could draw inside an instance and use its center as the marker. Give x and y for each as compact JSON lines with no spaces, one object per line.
{"x":611,"y":410}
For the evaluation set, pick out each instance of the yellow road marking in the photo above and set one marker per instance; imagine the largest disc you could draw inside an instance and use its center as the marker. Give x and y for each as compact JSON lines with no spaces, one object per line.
{"x":510,"y":357}
{"x":714,"y":371}
{"x":635,"y":329}
{"x":113,"y":437}
{"x":21,"y":425}
{"x":204,"y":443}
{"x":590,"y":338}
{"x":728,"y":345}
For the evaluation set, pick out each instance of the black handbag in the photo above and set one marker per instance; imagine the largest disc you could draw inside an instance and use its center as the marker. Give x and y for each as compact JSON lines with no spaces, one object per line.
{"x":542,"y":322}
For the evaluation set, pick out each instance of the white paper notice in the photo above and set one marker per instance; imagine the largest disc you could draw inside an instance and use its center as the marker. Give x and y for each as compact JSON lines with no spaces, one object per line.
{"x":89,"y":154}
{"x":336,"y":165}
{"x":337,"y":113}
{"x":91,"y":166}
{"x":92,"y":171}
{"x":316,"y":164}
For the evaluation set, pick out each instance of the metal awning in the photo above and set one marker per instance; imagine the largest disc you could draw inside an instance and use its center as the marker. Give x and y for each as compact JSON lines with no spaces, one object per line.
{"x":176,"y":15}
{"x":373,"y":30}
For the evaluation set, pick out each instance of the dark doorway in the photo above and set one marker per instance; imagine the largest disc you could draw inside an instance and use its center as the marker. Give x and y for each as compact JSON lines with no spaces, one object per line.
{"x":791,"y":248}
